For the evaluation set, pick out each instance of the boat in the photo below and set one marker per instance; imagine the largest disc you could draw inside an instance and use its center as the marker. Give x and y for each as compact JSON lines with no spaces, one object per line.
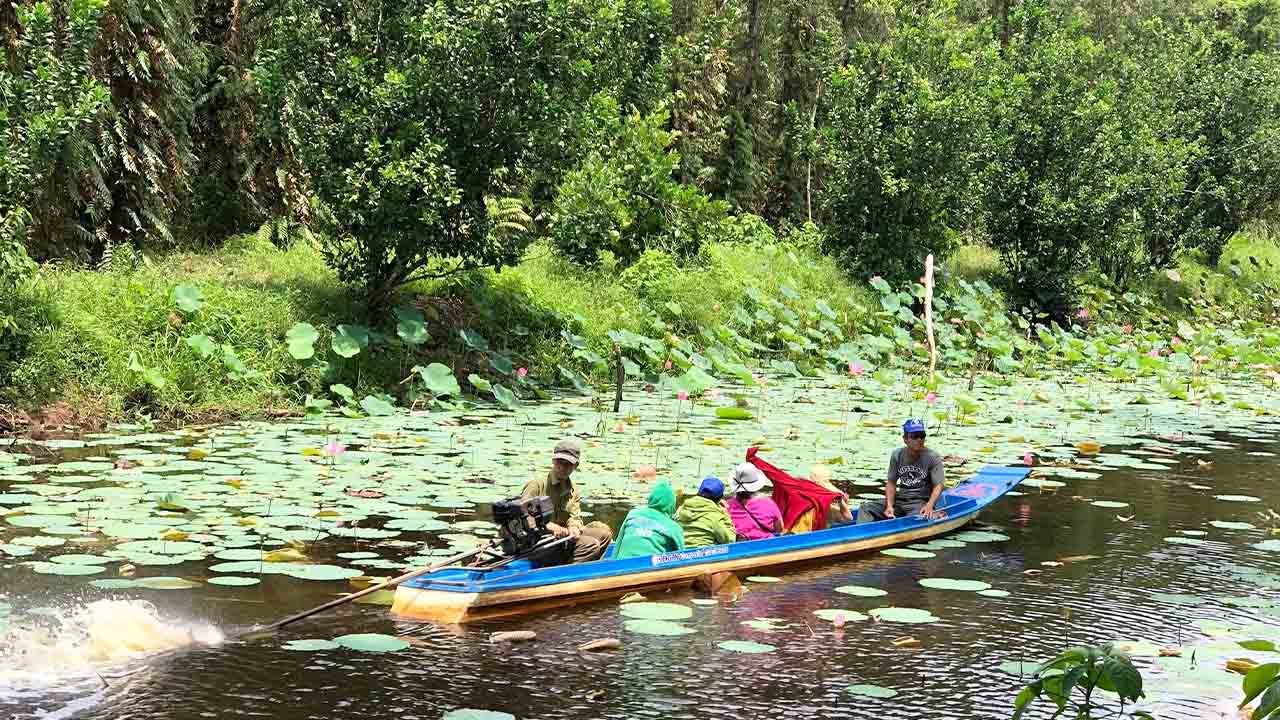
{"x":465,"y":594}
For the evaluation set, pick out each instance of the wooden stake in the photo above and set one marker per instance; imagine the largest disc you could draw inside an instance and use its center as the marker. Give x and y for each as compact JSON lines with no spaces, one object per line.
{"x":928,"y":314}
{"x":619,"y":376}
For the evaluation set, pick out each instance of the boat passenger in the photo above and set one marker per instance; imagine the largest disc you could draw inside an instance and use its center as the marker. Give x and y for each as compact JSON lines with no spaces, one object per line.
{"x":838,"y":512}
{"x":650,"y":530}
{"x":591,"y":540}
{"x":755,"y":516}
{"x":704,"y":518}
{"x":914,"y":481}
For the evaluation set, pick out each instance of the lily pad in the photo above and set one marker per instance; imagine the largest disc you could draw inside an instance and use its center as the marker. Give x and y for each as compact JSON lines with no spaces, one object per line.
{"x":763,"y":579}
{"x":994,"y":593}
{"x":656,"y":611}
{"x":1268,"y":545}
{"x":746,"y":646}
{"x":904,"y":615}
{"x":53,"y":568}
{"x":1178,"y":540}
{"x":1231,"y":525}
{"x":371,"y":642}
{"x":872,"y":691}
{"x":861,"y":591}
{"x":1237,"y":498}
{"x":311,"y":645}
{"x":469,"y":714}
{"x":953,"y":584}
{"x":1019,"y":668}
{"x":981,"y":536}
{"x":321,"y":572}
{"x":657,"y":627}
{"x":1113,"y":504}
{"x":165,"y":583}
{"x":908,"y":553}
{"x":233,"y":581}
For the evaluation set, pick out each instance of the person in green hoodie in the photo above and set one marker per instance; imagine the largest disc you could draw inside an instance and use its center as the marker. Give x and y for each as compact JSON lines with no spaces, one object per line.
{"x":650,"y":530}
{"x":704,"y":519}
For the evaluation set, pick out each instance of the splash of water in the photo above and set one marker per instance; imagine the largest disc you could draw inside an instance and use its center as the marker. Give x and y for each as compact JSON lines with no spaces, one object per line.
{"x":104,"y":632}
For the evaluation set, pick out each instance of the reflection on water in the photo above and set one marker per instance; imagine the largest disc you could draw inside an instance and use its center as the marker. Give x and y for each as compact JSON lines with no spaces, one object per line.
{"x":950,"y":674}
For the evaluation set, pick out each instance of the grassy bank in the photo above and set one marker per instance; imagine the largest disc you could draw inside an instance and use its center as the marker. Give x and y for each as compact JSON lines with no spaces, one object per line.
{"x":101,"y":345}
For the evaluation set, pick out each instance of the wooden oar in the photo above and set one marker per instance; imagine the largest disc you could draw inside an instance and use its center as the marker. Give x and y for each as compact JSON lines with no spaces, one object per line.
{"x":371,"y":589}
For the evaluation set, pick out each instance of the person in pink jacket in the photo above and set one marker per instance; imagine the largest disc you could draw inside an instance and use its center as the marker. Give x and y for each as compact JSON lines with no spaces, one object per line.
{"x":755,"y":515}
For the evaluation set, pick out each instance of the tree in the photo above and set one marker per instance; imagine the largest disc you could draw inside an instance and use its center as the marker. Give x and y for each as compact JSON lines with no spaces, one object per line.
{"x":406,"y":117}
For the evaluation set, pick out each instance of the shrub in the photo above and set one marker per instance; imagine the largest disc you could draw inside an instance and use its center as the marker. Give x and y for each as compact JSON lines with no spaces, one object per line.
{"x":625,"y":199}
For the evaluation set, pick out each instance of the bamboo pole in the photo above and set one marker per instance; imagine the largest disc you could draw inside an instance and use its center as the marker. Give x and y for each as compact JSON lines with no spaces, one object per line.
{"x":928,"y":314}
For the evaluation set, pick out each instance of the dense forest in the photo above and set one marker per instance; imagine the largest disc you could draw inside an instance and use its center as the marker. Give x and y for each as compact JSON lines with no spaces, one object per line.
{"x":416,"y":139}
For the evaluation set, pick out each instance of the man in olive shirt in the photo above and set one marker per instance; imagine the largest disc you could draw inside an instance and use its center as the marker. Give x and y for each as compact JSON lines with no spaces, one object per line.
{"x":591,"y":540}
{"x":914,"y":483}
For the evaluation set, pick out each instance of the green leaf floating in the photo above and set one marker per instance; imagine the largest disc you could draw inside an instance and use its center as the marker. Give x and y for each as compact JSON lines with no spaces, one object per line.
{"x":980,"y":536}
{"x":952,"y":584}
{"x":1230,"y":525}
{"x":165,"y":583}
{"x":994,"y":593}
{"x":656,"y":611}
{"x":233,"y":581}
{"x":54,"y":568}
{"x":904,"y":615}
{"x":374,"y":405}
{"x":1259,"y":645}
{"x":745,"y":646}
{"x":469,"y":714}
{"x":871,"y":691}
{"x":1109,"y":504}
{"x":657,"y":627}
{"x":371,"y":642}
{"x":908,"y":553}
{"x":733,"y":413}
{"x":763,"y":579}
{"x":311,"y":645}
{"x":1237,"y":498}
{"x":1268,"y":545}
{"x":505,"y":397}
{"x":861,"y":591}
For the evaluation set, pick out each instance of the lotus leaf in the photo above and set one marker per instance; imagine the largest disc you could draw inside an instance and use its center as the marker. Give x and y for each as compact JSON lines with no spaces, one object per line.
{"x":469,"y":714}
{"x":311,"y":645}
{"x":113,"y":584}
{"x":981,"y":536}
{"x":861,"y":591}
{"x":319,"y":572}
{"x":657,"y":627}
{"x":371,"y":642}
{"x":1230,"y":525}
{"x":994,"y":593}
{"x":187,"y":299}
{"x":903,"y":615}
{"x":745,"y":646}
{"x":1109,"y":504}
{"x":763,"y":579}
{"x":656,"y":611}
{"x":1237,"y":498}
{"x":733,"y":413}
{"x":952,"y":584}
{"x":908,"y":553}
{"x":53,"y":568}
{"x":233,"y":581}
{"x":871,"y":691}
{"x":439,"y":380}
{"x":1268,"y":545}
{"x":165,"y":583}
{"x":830,"y":614}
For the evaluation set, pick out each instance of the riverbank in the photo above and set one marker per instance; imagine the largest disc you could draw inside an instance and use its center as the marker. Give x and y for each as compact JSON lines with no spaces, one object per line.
{"x":94,"y":346}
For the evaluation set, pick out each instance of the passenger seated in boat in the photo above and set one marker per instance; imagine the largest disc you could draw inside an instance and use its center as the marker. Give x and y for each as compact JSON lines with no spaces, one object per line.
{"x":914,"y":482}
{"x":650,"y":530}
{"x":755,"y":515}
{"x":805,"y":504}
{"x":703,"y":517}
{"x":838,"y":511}
{"x":590,"y":541}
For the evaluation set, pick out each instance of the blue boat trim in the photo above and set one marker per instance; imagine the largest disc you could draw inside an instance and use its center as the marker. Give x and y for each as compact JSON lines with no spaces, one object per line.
{"x":964,"y":500}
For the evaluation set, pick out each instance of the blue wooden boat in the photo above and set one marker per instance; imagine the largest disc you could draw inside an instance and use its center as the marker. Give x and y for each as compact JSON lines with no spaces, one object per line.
{"x":462,"y":594}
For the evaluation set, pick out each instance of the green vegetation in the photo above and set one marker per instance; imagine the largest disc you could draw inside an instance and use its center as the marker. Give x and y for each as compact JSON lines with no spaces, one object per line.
{"x":1082,"y":671}
{"x":688,"y":189}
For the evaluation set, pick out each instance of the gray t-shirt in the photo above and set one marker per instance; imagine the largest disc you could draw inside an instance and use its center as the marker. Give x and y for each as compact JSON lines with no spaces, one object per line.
{"x":915,"y":479}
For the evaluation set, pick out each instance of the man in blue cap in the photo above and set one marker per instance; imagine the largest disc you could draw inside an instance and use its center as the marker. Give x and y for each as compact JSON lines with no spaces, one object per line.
{"x":704,"y":519}
{"x":914,"y":482}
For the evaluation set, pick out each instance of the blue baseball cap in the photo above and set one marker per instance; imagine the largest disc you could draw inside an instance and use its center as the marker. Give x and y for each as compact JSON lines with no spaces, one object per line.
{"x":912,"y":426}
{"x":711,"y":487}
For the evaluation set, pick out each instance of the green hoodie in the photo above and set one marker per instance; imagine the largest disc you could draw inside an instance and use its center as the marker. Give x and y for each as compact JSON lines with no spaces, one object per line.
{"x":650,"y":530}
{"x":705,"y":523}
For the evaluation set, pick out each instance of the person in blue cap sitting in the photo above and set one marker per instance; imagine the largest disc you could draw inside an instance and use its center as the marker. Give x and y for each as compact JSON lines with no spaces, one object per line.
{"x":914,"y":482}
{"x":704,"y":519}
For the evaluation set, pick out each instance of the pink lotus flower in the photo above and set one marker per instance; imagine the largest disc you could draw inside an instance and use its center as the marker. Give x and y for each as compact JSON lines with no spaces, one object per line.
{"x":682,"y":396}
{"x":838,"y":619}
{"x":856,"y":369}
{"x":1176,"y":340}
{"x":1083,"y":314}
{"x":523,"y":372}
{"x":1155,"y":353}
{"x":666,"y":365}
{"x":931,"y":398}
{"x":333,"y":448}
{"x":1127,"y":329}
{"x":1020,"y":402}
{"x":712,"y":394}
{"x":1028,"y":459}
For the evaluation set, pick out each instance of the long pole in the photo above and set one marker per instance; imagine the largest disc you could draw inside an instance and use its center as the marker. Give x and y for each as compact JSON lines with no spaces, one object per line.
{"x":381,"y":586}
{"x":928,"y":314}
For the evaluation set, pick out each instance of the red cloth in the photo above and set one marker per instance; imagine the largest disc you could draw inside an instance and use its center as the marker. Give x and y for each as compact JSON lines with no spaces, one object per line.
{"x":796,"y":496}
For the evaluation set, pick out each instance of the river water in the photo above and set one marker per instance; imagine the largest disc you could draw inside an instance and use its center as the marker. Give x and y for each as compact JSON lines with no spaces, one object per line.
{"x":1153,"y":573}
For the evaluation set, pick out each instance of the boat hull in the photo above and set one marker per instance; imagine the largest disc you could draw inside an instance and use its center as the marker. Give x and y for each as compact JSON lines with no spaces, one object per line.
{"x":446,"y":606}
